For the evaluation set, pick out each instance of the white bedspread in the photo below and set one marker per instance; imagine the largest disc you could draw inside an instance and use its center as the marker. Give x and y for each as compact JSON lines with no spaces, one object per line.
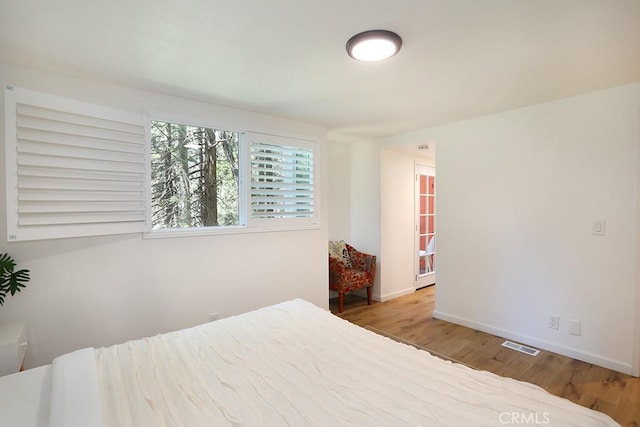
{"x":75,"y":393}
{"x":296,"y":364}
{"x":24,"y":398}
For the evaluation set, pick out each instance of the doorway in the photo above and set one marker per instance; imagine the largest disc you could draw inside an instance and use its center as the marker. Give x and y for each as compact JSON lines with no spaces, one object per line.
{"x":425,"y":226}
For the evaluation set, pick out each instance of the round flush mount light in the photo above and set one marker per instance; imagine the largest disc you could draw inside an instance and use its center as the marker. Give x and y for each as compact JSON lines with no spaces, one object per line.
{"x":374,"y":45}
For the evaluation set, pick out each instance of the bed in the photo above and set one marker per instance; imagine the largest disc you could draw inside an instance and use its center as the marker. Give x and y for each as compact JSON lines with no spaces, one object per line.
{"x":288,"y":364}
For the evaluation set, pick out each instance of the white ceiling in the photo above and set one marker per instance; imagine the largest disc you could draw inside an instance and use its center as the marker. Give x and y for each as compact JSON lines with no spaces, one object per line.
{"x":460,"y":58}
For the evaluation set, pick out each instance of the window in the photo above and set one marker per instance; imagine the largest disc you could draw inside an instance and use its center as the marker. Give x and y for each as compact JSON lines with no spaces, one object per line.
{"x":281,"y":178}
{"x":77,"y":169}
{"x":213,"y":180}
{"x":194,"y":176}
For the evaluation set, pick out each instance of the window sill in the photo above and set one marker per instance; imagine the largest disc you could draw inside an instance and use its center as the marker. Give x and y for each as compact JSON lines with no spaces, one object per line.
{"x":212,"y":231}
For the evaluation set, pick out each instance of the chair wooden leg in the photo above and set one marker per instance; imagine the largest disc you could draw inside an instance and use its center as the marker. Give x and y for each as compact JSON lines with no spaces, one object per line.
{"x":340,"y":302}
{"x":369,"y":292}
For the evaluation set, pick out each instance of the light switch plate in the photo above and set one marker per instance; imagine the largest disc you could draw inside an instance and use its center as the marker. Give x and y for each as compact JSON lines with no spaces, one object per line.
{"x":599,"y":226}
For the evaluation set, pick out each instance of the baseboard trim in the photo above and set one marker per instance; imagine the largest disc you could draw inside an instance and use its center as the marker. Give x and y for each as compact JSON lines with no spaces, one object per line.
{"x":595,"y":359}
{"x":383,"y":298}
{"x":397,"y":294}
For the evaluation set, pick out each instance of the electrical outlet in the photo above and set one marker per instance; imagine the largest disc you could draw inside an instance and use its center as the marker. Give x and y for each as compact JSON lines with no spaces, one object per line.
{"x":574,"y":327}
{"x":213,"y":316}
{"x":554,"y":322}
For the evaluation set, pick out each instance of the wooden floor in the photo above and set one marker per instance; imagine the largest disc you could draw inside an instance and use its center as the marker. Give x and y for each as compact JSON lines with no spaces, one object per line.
{"x":410,"y":318}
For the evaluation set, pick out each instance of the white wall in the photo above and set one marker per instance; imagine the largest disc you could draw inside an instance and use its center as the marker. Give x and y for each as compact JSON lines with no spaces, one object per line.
{"x":364,"y":160}
{"x":103,"y":290}
{"x":517,"y":195}
{"x":338,"y":203}
{"x":339,"y":190}
{"x":381,"y":209}
{"x":397,"y":224}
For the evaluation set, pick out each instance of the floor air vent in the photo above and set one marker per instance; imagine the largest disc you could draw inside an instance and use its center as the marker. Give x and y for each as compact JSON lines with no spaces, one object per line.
{"x":521,"y":348}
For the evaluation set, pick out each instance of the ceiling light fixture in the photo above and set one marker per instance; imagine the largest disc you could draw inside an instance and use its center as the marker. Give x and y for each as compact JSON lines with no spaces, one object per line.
{"x":374,"y":45}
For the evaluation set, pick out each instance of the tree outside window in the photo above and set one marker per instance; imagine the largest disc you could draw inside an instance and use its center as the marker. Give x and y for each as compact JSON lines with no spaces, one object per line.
{"x":194,"y":176}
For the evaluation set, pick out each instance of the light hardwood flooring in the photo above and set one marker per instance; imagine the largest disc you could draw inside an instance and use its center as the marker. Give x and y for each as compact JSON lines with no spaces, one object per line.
{"x":410,"y":318}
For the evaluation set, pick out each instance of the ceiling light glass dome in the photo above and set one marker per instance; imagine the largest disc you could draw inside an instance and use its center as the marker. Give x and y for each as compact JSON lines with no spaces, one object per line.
{"x":374,"y":45}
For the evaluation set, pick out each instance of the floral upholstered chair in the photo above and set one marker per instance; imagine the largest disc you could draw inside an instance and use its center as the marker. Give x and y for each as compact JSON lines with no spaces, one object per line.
{"x":350,"y":270}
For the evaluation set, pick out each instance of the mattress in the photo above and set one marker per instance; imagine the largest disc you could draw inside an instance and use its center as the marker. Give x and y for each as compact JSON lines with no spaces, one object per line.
{"x":290,"y":364}
{"x":24,"y":398}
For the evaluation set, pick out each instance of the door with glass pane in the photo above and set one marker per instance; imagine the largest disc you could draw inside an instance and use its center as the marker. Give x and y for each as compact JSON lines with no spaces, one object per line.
{"x":425,"y":227}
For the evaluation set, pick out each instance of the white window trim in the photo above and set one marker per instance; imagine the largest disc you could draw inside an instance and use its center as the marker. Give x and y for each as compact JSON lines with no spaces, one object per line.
{"x":247,"y":225}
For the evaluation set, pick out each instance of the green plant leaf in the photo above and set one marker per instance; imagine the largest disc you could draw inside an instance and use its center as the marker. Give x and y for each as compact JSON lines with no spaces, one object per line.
{"x":11,"y":281}
{"x":6,"y":263}
{"x":17,"y":280}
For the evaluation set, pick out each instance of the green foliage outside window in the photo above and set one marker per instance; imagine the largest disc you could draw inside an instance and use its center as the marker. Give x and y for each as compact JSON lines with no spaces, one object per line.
{"x":194,"y":176}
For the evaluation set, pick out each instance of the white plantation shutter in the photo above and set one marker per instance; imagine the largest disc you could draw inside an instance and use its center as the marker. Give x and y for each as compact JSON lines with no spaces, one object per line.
{"x":73,"y":169}
{"x":282,"y":175}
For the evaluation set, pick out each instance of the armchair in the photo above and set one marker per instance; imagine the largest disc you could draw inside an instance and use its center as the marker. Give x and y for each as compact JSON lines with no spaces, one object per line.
{"x":344,"y":278}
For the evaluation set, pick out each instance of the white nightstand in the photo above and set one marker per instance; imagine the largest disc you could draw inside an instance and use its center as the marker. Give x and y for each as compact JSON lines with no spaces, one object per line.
{"x":13,"y":347}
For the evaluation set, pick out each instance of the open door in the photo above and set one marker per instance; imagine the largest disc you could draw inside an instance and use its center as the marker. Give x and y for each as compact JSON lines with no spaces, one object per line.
{"x":425,"y":224}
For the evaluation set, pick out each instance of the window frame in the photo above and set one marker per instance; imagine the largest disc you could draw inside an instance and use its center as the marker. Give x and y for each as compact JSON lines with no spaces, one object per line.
{"x":198,"y":231}
{"x":246,"y":223}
